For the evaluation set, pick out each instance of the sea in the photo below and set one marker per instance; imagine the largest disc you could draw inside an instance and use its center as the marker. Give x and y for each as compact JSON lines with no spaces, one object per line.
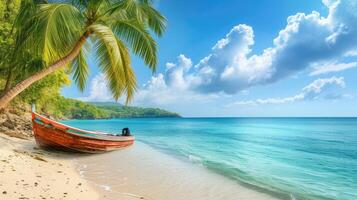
{"x":292,"y":158}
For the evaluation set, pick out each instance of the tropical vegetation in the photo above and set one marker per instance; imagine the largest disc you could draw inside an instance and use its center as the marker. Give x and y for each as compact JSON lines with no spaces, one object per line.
{"x":42,"y":42}
{"x":116,"y":110}
{"x":64,"y":108}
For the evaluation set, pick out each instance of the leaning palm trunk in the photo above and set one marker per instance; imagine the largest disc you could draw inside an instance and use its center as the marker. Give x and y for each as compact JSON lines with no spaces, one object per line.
{"x":18,"y":88}
{"x":44,"y":28}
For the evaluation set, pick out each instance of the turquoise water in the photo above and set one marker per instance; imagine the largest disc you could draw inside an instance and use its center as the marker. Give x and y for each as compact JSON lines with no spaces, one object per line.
{"x":294,"y":158}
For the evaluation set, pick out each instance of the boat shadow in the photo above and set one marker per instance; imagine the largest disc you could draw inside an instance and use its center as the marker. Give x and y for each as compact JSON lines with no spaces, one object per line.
{"x":30,"y":148}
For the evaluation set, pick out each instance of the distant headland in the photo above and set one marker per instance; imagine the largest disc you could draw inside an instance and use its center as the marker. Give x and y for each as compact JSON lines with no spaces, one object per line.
{"x":75,"y":109}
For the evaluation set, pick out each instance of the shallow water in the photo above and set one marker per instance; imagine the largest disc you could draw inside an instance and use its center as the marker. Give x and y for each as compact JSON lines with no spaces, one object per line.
{"x":143,"y":172}
{"x":296,"y":158}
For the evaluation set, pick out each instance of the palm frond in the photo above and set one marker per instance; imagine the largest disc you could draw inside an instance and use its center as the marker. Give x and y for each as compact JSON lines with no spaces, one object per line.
{"x":109,"y":59}
{"x":155,"y":20}
{"x":140,"y":40}
{"x":142,"y":11}
{"x":49,"y":31}
{"x":79,"y":4}
{"x":129,"y":6}
{"x":80,"y":69}
{"x":23,"y":26}
{"x":130,"y":78}
{"x":34,"y":65}
{"x":54,"y":22}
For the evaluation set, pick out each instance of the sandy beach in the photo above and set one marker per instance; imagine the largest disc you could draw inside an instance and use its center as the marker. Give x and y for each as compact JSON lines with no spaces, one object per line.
{"x":27,"y":172}
{"x":137,"y":172}
{"x":142,"y":172}
{"x":178,"y":100}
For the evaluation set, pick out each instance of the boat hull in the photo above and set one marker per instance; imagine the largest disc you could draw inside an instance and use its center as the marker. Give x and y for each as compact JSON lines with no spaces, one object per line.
{"x":51,"y":134}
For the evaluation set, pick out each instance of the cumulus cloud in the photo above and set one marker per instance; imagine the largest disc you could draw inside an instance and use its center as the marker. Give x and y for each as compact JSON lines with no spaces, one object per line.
{"x":318,"y":89}
{"x":171,"y":87}
{"x":307,"y":40}
{"x":332,"y":67}
{"x":98,"y":90}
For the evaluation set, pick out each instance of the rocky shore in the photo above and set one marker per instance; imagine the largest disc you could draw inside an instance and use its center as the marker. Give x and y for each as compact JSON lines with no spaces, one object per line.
{"x":16,"y":125}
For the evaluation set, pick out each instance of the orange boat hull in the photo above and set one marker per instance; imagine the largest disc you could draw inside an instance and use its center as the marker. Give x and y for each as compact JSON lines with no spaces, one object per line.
{"x":51,"y":134}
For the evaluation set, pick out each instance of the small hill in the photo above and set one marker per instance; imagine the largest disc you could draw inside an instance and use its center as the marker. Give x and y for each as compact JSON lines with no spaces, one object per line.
{"x":116,"y":110}
{"x":104,"y":104}
{"x":65,"y":108}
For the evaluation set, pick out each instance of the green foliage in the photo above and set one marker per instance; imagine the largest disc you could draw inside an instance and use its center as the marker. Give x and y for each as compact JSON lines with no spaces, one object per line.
{"x":117,"y":111}
{"x":114,"y":61}
{"x":63,"y":108}
{"x":36,"y":34}
{"x":137,"y":35}
{"x":58,"y":28}
{"x":51,"y":31}
{"x":16,"y":63}
{"x":42,"y":92}
{"x":8,"y":12}
{"x":80,"y":69}
{"x":45,"y":93}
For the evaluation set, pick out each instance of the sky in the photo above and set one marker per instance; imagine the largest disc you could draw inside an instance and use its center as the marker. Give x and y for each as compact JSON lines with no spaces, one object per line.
{"x":248,"y":58}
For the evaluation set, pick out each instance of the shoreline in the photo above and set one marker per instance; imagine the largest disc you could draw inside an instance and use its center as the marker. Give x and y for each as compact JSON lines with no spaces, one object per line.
{"x":192,"y":160}
{"x":27,"y":172}
{"x":138,"y":172}
{"x":143,"y":172}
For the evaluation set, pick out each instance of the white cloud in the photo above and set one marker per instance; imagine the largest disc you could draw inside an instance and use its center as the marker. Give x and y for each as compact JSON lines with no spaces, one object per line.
{"x":320,"y":88}
{"x":307,"y":39}
{"x":98,"y":90}
{"x":172,"y":87}
{"x":351,"y":53}
{"x":231,"y":67}
{"x":332,"y":67}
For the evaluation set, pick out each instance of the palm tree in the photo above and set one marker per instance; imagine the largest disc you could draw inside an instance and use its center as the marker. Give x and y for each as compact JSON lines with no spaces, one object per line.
{"x":61,"y":33}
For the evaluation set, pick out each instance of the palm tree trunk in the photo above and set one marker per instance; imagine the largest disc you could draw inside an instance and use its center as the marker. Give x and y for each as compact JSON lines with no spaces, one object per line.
{"x":18,"y":88}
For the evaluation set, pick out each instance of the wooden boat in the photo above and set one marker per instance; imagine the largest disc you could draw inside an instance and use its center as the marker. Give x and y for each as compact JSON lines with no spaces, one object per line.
{"x":51,"y":134}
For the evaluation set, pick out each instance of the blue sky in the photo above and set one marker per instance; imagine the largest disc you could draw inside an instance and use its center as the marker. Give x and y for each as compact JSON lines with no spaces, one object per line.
{"x":248,"y":58}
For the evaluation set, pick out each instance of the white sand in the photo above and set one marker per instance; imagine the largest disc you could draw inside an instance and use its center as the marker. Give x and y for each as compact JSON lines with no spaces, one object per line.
{"x":141,"y":172}
{"x":30,"y":173}
{"x":138,"y":172}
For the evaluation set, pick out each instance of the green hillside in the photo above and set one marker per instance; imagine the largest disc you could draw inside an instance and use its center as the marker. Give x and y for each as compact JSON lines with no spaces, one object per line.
{"x":118,"y":111}
{"x":64,"y":108}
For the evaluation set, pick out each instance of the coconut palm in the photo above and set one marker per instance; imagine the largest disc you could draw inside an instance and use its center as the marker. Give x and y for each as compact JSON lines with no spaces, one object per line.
{"x":61,"y":33}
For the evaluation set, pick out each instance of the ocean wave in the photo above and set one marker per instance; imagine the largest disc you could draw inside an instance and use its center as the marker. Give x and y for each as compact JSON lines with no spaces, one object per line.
{"x":106,"y":187}
{"x":195,"y":159}
{"x":82,"y":170}
{"x":296,"y":158}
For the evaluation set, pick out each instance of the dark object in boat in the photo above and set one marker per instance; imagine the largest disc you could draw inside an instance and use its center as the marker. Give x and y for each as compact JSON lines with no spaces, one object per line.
{"x":51,"y":134}
{"x":125,"y":132}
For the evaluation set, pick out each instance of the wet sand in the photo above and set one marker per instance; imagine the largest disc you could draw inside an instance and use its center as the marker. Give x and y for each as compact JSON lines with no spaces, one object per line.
{"x":142,"y":172}
{"x":27,"y":172}
{"x":137,"y":172}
